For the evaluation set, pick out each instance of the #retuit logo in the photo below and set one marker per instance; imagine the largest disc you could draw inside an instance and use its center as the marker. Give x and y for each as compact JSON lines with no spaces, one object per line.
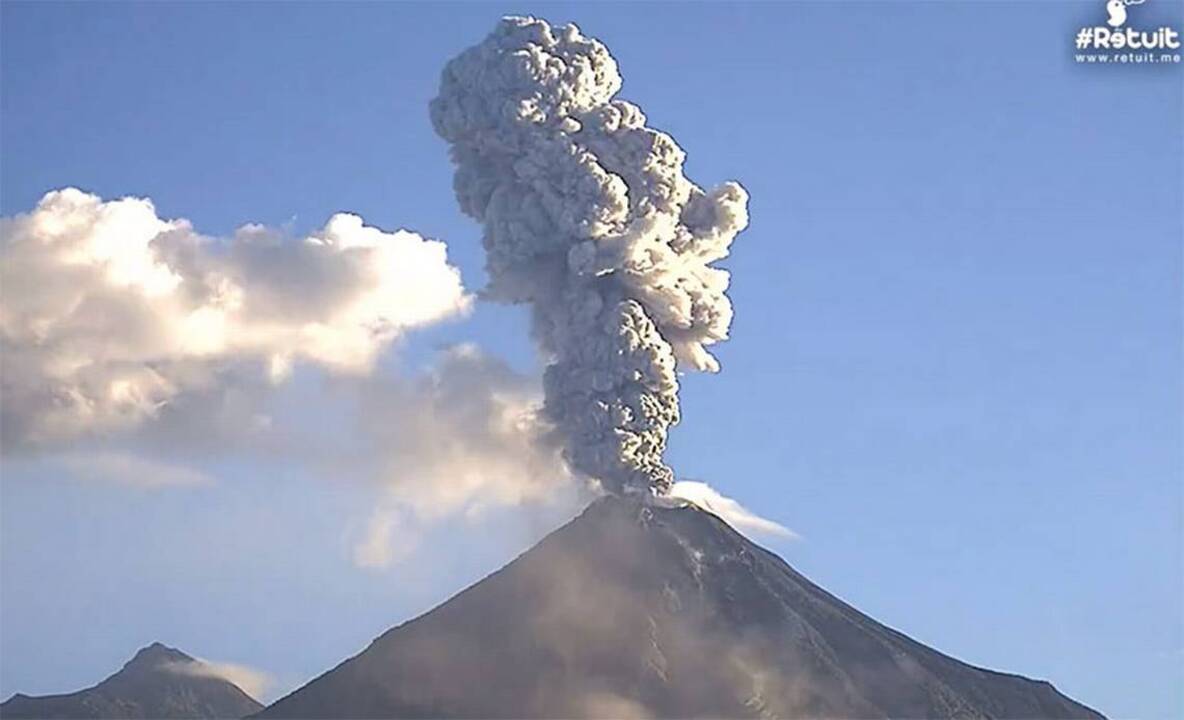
{"x":1116,"y":42}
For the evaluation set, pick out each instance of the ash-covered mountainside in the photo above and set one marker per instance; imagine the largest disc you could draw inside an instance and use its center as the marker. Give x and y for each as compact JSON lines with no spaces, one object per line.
{"x":633,"y":611}
{"x":158,"y":682}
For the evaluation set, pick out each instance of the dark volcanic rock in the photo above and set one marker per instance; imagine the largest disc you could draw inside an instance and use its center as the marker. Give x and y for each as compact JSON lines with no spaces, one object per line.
{"x":157,"y":683}
{"x":632,"y":611}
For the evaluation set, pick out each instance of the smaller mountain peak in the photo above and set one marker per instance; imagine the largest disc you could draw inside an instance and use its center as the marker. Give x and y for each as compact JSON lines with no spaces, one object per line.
{"x":155,"y":683}
{"x":154,"y":655}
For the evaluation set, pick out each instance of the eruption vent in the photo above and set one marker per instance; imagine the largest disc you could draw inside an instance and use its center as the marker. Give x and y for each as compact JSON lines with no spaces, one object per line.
{"x":588,"y":217}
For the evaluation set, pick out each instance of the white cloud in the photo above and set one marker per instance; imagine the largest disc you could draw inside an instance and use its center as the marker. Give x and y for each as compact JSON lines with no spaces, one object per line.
{"x":128,"y":469}
{"x":253,"y":682}
{"x":128,"y":337}
{"x":111,"y":313}
{"x":735,"y":514}
{"x":467,"y":434}
{"x":384,"y":543}
{"x":456,"y":442}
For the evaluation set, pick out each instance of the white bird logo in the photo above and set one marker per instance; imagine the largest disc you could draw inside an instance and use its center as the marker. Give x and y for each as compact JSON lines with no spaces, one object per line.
{"x":1117,"y":10}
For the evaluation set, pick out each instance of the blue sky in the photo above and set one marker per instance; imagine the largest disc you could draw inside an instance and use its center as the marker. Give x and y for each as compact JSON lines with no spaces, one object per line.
{"x":955,"y":368}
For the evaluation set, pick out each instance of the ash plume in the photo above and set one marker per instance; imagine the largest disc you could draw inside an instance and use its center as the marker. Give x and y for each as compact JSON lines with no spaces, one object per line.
{"x":588,"y":217}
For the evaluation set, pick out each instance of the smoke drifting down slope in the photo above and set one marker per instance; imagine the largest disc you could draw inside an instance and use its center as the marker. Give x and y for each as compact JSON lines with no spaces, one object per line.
{"x":587,"y":217}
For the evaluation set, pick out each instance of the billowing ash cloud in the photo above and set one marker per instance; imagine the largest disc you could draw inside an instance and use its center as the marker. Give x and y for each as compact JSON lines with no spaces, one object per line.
{"x":111,"y":314}
{"x":588,"y":217}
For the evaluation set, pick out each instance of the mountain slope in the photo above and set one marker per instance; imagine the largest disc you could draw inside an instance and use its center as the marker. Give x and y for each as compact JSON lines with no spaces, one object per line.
{"x":633,"y":611}
{"x":159,"y":682}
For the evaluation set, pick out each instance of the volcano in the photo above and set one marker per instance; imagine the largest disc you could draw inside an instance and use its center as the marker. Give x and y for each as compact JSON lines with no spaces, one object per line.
{"x":158,"y":682}
{"x":638,"y":611}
